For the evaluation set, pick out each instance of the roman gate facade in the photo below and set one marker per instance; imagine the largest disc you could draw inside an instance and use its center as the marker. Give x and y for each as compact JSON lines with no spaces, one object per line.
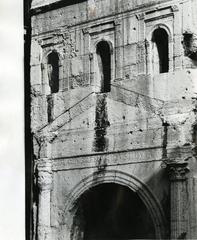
{"x":113,"y":119}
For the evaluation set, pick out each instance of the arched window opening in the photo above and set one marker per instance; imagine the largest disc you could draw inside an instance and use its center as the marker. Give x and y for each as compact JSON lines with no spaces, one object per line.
{"x":104,"y":65}
{"x":53,"y":72}
{"x":111,"y":211}
{"x":160,"y":51}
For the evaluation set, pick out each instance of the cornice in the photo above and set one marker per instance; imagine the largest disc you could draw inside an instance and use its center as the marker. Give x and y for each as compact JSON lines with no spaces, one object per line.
{"x":38,"y":6}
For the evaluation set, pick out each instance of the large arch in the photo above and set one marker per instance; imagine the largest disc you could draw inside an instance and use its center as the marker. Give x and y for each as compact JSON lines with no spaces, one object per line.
{"x":113,"y":176}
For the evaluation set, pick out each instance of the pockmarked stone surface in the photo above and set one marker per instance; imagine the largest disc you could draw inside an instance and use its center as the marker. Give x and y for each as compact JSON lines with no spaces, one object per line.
{"x":114,"y":119}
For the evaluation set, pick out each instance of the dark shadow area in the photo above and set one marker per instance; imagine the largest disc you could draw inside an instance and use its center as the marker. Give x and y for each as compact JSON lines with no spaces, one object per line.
{"x":190,"y":46}
{"x":101,"y":123}
{"x":53,"y":72}
{"x":28,"y":137}
{"x":104,"y":62}
{"x":160,"y":38}
{"x":112,"y":211}
{"x":50,"y":108}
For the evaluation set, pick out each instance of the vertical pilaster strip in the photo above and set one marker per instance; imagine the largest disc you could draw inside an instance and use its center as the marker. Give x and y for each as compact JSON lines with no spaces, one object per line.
{"x":178,"y":49}
{"x":171,"y":53}
{"x":178,"y":192}
{"x":45,"y":81}
{"x":61,"y":75}
{"x":141,"y":57}
{"x":148,"y":57}
{"x":86,"y":65}
{"x":44,"y":184}
{"x":118,"y":50}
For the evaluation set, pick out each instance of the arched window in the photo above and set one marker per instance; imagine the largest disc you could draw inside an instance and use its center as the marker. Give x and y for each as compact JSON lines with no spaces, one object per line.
{"x":53,"y":72}
{"x":160,"y":57}
{"x":104,"y":65}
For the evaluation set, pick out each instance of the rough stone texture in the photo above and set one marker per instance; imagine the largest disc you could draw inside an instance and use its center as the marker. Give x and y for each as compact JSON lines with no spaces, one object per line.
{"x":134,"y":135}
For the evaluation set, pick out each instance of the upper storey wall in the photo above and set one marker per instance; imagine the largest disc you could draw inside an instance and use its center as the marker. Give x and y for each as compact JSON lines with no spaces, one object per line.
{"x":119,"y":5}
{"x":131,"y":54}
{"x":127,"y":3}
{"x":52,"y":14}
{"x":73,"y":30}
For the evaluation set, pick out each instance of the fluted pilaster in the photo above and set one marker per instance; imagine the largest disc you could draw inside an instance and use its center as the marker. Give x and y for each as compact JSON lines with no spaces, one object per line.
{"x":178,"y":176}
{"x":45,"y":184}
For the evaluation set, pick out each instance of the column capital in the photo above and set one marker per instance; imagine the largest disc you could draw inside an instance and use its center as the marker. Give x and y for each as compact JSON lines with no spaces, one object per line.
{"x":44,"y":167}
{"x":177,"y":171}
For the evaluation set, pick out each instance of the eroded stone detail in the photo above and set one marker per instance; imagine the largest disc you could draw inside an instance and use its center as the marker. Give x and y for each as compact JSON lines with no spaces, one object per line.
{"x":78,"y":81}
{"x":178,"y":171}
{"x":44,"y":174}
{"x":175,"y":8}
{"x":190,"y":44}
{"x":62,"y":42}
{"x":140,"y":16}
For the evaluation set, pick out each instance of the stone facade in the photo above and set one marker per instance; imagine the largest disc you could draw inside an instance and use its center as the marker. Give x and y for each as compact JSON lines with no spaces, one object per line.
{"x":113,"y":105}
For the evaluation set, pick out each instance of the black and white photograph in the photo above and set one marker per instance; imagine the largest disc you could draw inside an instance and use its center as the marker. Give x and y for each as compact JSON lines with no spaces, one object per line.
{"x":108,"y":132}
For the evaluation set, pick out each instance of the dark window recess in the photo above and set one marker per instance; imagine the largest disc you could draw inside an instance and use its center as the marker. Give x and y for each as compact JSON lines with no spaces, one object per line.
{"x":53,"y":72}
{"x":160,"y":38}
{"x":104,"y":64}
{"x":50,"y":108}
{"x":190,"y":45}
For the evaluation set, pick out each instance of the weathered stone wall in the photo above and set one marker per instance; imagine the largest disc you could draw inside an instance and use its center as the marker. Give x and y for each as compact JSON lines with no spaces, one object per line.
{"x":146,"y":121}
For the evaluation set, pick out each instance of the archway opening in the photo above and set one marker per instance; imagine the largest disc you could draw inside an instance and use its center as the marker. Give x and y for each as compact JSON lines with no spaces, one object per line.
{"x":53,"y":71}
{"x":104,"y":65}
{"x":111,"y":211}
{"x":160,"y":51}
{"x":53,"y":77}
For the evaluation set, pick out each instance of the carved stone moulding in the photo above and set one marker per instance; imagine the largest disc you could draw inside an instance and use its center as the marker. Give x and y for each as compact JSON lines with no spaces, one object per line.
{"x":117,"y":22}
{"x":44,"y":167}
{"x":86,"y":30}
{"x":175,"y":8}
{"x":140,"y":16}
{"x":177,"y":171}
